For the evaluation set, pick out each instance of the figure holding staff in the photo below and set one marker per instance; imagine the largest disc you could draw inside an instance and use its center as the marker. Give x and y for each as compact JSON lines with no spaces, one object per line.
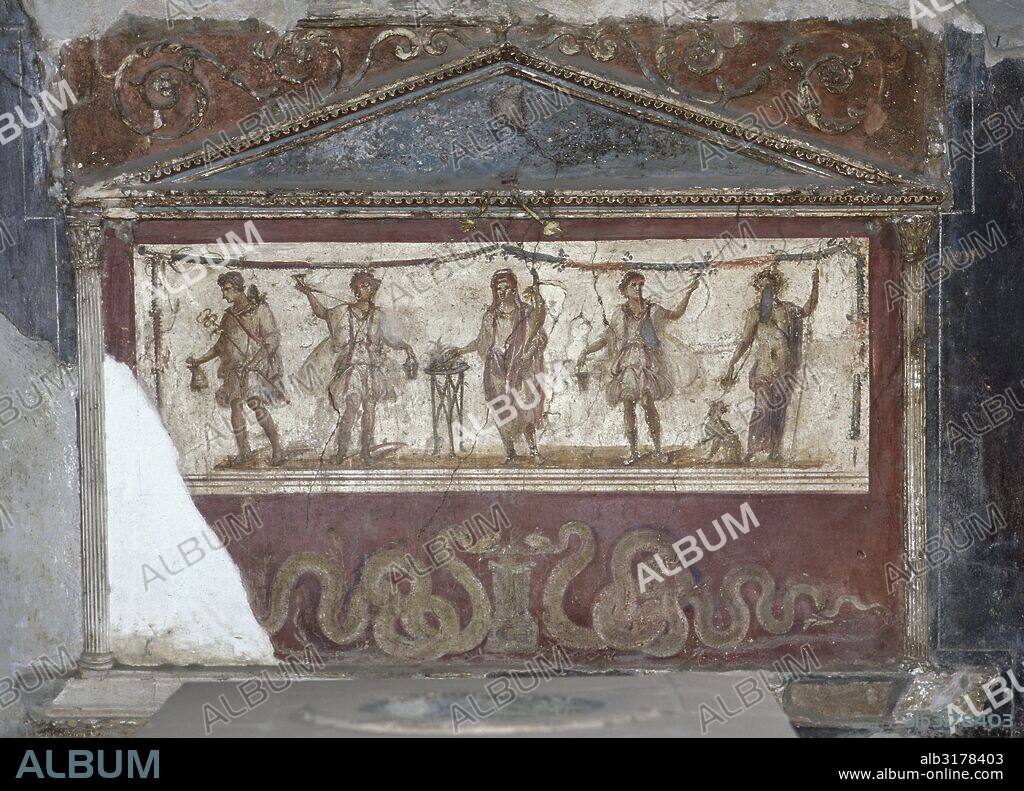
{"x":774,"y":336}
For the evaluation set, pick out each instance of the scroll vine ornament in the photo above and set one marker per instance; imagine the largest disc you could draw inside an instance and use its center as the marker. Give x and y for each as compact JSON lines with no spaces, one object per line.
{"x":841,"y":65}
{"x":703,"y":54}
{"x":410,"y":43}
{"x":601,"y":45}
{"x":832,"y":70}
{"x":295,"y":57}
{"x":657,"y":622}
{"x":159,"y":92}
{"x":413,"y":624}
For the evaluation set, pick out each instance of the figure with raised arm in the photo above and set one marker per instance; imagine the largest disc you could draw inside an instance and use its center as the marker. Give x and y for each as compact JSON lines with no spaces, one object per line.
{"x":360,"y":337}
{"x":773,"y":334}
{"x":640,"y":373}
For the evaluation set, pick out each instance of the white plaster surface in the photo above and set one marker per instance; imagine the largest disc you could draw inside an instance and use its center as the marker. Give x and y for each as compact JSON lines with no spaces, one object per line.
{"x":64,"y":20}
{"x":201,"y":613}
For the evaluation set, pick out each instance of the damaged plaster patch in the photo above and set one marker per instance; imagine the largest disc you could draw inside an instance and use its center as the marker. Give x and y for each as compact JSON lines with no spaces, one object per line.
{"x":1003,"y":21}
{"x":63,"y":20}
{"x":200,"y":614}
{"x":585,"y":12}
{"x":934,"y":691}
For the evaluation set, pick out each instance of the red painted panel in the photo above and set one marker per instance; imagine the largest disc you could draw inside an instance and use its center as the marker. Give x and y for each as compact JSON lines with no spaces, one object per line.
{"x":838,"y":543}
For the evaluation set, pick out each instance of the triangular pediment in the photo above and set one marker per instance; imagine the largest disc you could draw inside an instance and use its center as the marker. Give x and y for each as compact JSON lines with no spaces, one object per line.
{"x":506,"y":132}
{"x":506,"y":121}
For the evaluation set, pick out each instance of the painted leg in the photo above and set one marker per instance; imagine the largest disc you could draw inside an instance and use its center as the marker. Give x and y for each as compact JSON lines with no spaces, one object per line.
{"x":266,"y":421}
{"x":629,"y":418}
{"x":240,"y":433}
{"x":367,"y":424}
{"x":508,"y":438}
{"x":654,"y":426}
{"x":345,"y":423}
{"x":531,"y":440}
{"x":778,"y":433}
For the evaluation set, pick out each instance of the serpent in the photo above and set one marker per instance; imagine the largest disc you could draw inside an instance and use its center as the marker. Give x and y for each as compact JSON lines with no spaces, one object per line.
{"x":413,"y":624}
{"x":657,"y":622}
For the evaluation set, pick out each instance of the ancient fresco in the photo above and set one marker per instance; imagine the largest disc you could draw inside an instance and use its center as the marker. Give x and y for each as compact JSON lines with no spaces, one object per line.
{"x":684,"y":618}
{"x":559,"y":365}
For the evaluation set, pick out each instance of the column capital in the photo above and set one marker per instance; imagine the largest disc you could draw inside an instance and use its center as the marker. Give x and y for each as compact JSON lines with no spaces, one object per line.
{"x":85,"y":237}
{"x":915,"y":232}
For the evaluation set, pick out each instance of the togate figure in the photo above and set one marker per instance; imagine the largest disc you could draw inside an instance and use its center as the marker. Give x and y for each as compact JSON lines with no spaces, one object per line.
{"x":511,"y":341}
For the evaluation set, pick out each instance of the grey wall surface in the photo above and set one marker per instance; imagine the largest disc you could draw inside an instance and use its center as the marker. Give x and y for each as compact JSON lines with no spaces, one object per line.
{"x":40,"y":589}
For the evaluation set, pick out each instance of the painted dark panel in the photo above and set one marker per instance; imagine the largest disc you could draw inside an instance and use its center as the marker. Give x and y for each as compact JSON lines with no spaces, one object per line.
{"x":38,"y":283}
{"x":975,"y":360}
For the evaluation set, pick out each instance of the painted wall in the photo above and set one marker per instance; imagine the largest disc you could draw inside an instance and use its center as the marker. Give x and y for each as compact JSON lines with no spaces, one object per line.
{"x":974,"y":343}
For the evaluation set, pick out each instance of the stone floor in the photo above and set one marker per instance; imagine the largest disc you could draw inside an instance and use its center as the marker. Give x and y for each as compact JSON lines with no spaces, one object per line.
{"x":509,"y":705}
{"x":497,"y":702}
{"x":516,"y":705}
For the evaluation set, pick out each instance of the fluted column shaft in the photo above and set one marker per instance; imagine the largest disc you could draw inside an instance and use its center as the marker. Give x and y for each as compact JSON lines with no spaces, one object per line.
{"x":86,"y":241}
{"x":915,"y":235}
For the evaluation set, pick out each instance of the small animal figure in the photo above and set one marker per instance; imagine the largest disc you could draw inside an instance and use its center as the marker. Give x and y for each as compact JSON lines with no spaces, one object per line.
{"x":725,"y":444}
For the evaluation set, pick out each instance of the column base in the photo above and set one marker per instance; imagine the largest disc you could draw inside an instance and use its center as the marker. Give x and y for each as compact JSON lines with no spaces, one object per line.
{"x":92,"y":664}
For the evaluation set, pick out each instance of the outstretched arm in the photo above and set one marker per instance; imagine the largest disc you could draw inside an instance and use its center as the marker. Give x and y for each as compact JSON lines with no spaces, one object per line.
{"x":812,"y":301}
{"x":315,"y":304}
{"x":672,"y":315}
{"x":401,"y":346}
{"x":596,"y":346}
{"x":538,"y":342}
{"x":213,"y":353}
{"x":392,"y":339}
{"x":749,"y":332}
{"x":479,"y":342}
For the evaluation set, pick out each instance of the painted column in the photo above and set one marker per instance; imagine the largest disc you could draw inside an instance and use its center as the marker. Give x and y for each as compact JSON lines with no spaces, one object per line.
{"x":915,"y":234}
{"x":86,"y":238}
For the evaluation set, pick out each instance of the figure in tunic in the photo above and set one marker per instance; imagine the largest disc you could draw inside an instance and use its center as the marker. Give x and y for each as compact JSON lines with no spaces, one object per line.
{"x":250,"y":369}
{"x":640,"y":374}
{"x":511,"y":341}
{"x":773,"y":333}
{"x":359,"y":338}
